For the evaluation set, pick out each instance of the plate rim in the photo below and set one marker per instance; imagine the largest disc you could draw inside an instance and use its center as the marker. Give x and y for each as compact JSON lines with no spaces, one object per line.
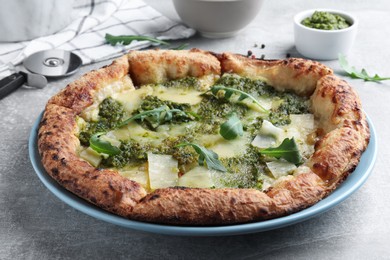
{"x":345,"y":190}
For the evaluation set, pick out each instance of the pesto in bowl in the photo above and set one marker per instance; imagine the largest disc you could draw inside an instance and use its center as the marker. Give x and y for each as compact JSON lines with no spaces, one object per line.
{"x":326,"y":21}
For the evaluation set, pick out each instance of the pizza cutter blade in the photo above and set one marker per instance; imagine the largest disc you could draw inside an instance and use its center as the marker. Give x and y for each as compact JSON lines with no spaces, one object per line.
{"x":49,"y":63}
{"x":53,"y":63}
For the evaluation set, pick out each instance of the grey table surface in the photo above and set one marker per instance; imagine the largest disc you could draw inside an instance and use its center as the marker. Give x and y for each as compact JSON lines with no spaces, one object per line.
{"x":34,"y":224}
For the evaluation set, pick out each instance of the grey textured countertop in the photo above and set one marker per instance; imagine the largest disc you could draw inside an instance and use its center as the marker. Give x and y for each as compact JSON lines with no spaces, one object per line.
{"x":34,"y":224}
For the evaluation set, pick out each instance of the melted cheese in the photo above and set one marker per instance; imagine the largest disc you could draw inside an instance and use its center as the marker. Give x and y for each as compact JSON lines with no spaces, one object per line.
{"x":179,"y":95}
{"x":198,"y":177}
{"x":301,"y":126}
{"x":131,"y":99}
{"x":280,"y":168}
{"x":137,"y":173}
{"x":163,"y":171}
{"x":91,"y":156}
{"x":224,"y":148}
{"x":265,"y":102}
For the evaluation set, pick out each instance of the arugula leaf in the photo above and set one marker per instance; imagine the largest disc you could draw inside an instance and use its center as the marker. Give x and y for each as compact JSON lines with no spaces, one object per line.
{"x":127,"y":39}
{"x":155,"y":116}
{"x":355,"y":74}
{"x":243,"y":95}
{"x":287,"y":150}
{"x":101,"y":146}
{"x":181,"y":46}
{"x":231,"y":128}
{"x":207,"y":155}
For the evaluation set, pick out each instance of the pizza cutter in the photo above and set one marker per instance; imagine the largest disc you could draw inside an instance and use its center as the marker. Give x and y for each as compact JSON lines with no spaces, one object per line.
{"x":49,"y":63}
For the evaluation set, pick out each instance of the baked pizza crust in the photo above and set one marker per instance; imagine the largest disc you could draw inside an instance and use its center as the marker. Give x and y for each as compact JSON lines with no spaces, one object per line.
{"x":158,"y":66}
{"x":344,"y":137}
{"x":297,"y":75}
{"x":81,"y":93}
{"x":57,"y":145}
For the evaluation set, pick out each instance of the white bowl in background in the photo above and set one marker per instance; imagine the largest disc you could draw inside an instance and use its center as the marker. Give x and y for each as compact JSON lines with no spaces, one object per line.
{"x":217,"y":18}
{"x":23,"y":20}
{"x":324,"y":44}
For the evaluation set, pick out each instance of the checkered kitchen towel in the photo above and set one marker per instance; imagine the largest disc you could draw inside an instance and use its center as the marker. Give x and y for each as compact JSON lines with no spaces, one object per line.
{"x":93,"y":19}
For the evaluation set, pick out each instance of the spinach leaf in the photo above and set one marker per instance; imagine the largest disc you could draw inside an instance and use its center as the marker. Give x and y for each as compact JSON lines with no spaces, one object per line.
{"x":287,"y":150}
{"x":207,"y":155}
{"x":231,"y":128}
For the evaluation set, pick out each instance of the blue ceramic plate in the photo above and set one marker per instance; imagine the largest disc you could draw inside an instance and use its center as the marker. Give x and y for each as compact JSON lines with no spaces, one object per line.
{"x":353,"y":182}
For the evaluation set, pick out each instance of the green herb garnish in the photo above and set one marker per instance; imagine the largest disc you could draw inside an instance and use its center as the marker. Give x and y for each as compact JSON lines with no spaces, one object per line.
{"x":181,"y":46}
{"x":127,"y":39}
{"x":355,"y":74}
{"x":243,"y":95}
{"x":102,"y":146}
{"x":287,"y":150}
{"x":231,"y":128}
{"x":155,"y":116}
{"x":207,"y":155}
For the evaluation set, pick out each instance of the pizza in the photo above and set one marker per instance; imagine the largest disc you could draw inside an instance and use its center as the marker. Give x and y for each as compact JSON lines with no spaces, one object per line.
{"x":192,"y":137}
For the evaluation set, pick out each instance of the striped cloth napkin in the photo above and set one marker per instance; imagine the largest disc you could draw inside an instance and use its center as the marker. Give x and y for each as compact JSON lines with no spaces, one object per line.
{"x":92,"y":20}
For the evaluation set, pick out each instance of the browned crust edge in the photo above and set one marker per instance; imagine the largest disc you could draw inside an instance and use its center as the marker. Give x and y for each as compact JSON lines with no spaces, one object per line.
{"x":79,"y":94}
{"x":337,"y":153}
{"x":57,"y":145}
{"x":293,"y":74}
{"x":171,"y":65}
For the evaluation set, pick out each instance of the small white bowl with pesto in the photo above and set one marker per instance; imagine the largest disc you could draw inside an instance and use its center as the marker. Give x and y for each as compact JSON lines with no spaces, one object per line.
{"x":323,"y":34}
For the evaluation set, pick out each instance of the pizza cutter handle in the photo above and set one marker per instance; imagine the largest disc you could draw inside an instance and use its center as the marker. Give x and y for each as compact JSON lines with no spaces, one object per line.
{"x":11,"y":83}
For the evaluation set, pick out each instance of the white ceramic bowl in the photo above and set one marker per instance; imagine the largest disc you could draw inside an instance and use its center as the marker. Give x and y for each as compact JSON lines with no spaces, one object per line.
{"x":324,"y":44}
{"x":217,"y":18}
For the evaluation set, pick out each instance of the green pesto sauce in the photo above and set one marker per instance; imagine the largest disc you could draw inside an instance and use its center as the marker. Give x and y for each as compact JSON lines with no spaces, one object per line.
{"x":206,"y":118}
{"x":111,"y":113}
{"x":152,"y":102}
{"x":325,"y":21}
{"x":188,"y":82}
{"x":243,"y":171}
